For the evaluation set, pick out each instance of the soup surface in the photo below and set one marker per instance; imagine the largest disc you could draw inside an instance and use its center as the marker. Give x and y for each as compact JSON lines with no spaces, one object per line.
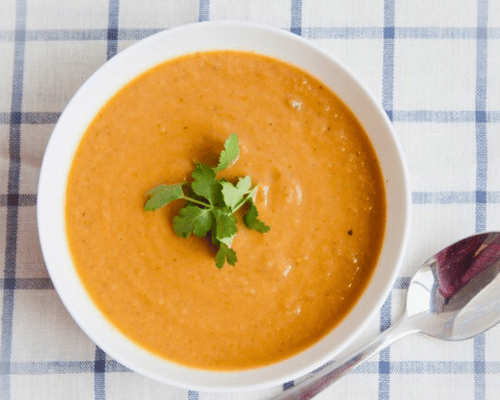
{"x":320,"y":189}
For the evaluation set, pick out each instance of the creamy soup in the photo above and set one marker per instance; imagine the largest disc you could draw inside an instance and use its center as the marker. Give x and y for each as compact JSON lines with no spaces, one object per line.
{"x":320,"y":189}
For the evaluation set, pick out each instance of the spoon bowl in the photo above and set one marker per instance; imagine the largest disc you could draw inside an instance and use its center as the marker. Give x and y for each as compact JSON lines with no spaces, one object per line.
{"x":453,"y":296}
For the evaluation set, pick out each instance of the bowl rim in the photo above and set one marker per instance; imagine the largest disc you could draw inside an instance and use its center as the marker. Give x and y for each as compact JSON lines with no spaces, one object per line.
{"x":62,"y":146}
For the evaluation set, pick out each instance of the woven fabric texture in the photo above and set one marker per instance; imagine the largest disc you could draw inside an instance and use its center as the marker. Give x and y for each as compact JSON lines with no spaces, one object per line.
{"x":433,"y":65}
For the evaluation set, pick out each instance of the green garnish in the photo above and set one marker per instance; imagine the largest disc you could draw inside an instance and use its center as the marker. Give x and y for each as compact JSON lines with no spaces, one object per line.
{"x":211,"y":204}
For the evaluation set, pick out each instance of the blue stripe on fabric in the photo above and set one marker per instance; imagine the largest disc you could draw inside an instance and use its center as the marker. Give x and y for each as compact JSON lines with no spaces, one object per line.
{"x":384,"y":370}
{"x":384,"y":364}
{"x":27,"y":283}
{"x":423,"y":367}
{"x":481,"y":127}
{"x":33,"y":118}
{"x":316,"y":32}
{"x":436,"y":33}
{"x":447,"y":116}
{"x":388,"y":58}
{"x":481,"y":170}
{"x":193,"y":395}
{"x":433,"y":116}
{"x":479,"y":367}
{"x":60,"y":367}
{"x":137,"y":34}
{"x":493,"y":33}
{"x":288,"y":385}
{"x":384,"y":367}
{"x":371,"y":32}
{"x":204,"y":10}
{"x":113,"y":24}
{"x":402,"y":283}
{"x":432,"y":367}
{"x":369,"y":367}
{"x":51,"y":367}
{"x":46,"y":35}
{"x":443,"y":197}
{"x":385,"y":314}
{"x":343,"y":32}
{"x":398,"y":116}
{"x":493,"y":197}
{"x":7,"y":36}
{"x":296,"y":17}
{"x":478,"y":197}
{"x":6,"y":342}
{"x":492,"y":367}
{"x":9,"y":283}
{"x":114,"y":366}
{"x":12,"y":189}
{"x":99,"y":374}
{"x":20,"y":200}
{"x":66,"y":34}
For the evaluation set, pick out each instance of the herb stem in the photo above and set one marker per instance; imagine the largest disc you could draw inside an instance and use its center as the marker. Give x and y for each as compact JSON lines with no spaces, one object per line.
{"x":250,"y":195}
{"x":240,"y":204}
{"x":201,"y":203}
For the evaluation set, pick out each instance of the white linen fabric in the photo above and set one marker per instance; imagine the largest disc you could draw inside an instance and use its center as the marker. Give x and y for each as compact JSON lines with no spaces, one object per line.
{"x":433,"y":65}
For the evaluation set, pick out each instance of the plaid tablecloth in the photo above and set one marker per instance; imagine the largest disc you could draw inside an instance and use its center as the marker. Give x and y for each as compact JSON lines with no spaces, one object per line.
{"x":433,"y":64}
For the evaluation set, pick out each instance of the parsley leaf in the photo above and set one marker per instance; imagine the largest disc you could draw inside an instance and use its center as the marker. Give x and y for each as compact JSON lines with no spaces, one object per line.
{"x":204,"y":183}
{"x":233,"y":195}
{"x":162,"y":195}
{"x":225,"y":225}
{"x":230,"y":153}
{"x":244,"y":184}
{"x":224,"y":254}
{"x":214,"y":201}
{"x":193,"y":219}
{"x":252,"y":222}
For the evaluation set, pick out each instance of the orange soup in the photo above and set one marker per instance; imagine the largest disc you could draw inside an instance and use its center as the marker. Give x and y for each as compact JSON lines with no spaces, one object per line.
{"x":320,"y":189}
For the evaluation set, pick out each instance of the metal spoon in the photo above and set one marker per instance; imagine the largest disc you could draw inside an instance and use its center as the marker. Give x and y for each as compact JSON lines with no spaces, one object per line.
{"x":453,"y":296}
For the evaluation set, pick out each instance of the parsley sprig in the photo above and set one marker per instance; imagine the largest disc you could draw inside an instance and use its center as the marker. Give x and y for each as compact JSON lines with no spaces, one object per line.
{"x":211,"y":203}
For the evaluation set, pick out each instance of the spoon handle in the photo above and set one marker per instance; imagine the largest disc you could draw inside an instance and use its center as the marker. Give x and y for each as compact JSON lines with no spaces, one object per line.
{"x":309,"y":388}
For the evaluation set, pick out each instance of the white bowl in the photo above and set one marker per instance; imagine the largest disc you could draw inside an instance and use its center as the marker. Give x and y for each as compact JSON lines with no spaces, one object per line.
{"x":111,"y":77}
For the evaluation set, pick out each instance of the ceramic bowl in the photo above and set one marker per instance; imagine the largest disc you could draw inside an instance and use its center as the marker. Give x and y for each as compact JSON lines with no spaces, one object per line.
{"x":135,"y":60}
